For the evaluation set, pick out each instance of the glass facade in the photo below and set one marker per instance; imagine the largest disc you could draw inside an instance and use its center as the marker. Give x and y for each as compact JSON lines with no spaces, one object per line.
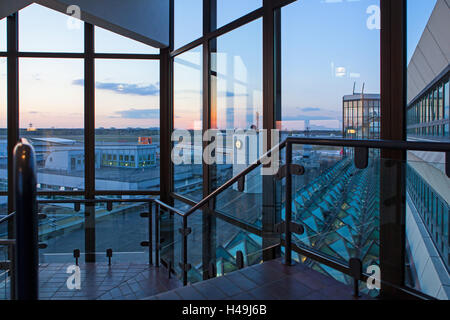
{"x":428,"y":115}
{"x":187,"y":124}
{"x":187,"y":30}
{"x":110,"y":42}
{"x":229,"y":10}
{"x":98,"y":123}
{"x":51,"y":118}
{"x":427,"y":210}
{"x":44,"y":30}
{"x":127,"y":125}
{"x":361,"y":117}
{"x":236,"y":79}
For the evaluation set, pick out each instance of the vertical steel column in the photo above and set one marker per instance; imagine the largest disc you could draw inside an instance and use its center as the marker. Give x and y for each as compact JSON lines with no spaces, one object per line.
{"x":26,"y":258}
{"x":271,"y":214}
{"x":89,"y":141}
{"x":288,"y":253}
{"x":208,"y":220}
{"x":12,"y":116}
{"x":166,"y":116}
{"x":392,"y":172}
{"x":166,"y":128}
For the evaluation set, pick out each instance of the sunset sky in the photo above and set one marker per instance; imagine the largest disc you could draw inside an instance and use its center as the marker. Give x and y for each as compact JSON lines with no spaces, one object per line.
{"x":326,"y":45}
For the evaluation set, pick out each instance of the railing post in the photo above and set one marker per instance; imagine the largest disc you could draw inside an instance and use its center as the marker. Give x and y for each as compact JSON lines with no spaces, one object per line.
{"x":185,"y":253}
{"x":157,"y":244}
{"x":150,"y":233}
{"x":27,"y":259}
{"x":288,"y":218}
{"x":12,"y":273}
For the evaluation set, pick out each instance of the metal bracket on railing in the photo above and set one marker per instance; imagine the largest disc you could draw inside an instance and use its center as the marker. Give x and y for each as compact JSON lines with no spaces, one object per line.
{"x":241,"y":184}
{"x":295,"y":228}
{"x":76,"y":255}
{"x":5,"y":265}
{"x":42,"y":216}
{"x":185,"y":267}
{"x":42,"y":245}
{"x":185,"y":232}
{"x":356,"y":272}
{"x":239,"y":259}
{"x":145,"y":243}
{"x":77,"y":207}
{"x":109,"y":206}
{"x":361,"y":158}
{"x":296,"y":170}
{"x":109,"y":254}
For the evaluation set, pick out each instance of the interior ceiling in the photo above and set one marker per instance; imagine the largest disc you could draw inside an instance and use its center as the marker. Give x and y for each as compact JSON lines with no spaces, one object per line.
{"x":146,"y":21}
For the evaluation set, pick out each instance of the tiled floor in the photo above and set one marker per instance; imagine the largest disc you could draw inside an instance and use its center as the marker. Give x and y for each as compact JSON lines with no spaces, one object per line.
{"x":268,"y":281}
{"x":98,"y":281}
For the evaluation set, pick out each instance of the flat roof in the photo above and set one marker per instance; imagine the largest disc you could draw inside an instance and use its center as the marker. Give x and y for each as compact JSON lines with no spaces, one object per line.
{"x":368,"y":96}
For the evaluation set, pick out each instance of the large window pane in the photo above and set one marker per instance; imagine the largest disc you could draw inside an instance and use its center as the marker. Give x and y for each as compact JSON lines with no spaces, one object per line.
{"x":229,"y":10}
{"x":321,"y":64}
{"x":237,"y":86}
{"x":188,"y":21}
{"x":127,"y":125}
{"x":331,"y":88}
{"x":428,"y":199}
{"x":3,"y":34}
{"x":45,"y":30}
{"x":188,"y":123}
{"x":51,"y":117}
{"x":110,"y":42}
{"x":3,"y":128}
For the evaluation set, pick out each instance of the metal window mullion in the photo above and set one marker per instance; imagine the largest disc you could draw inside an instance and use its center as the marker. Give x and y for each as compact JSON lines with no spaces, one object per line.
{"x":89,"y":140}
{"x":12,"y":120}
{"x":393,"y":127}
{"x":208,"y":220}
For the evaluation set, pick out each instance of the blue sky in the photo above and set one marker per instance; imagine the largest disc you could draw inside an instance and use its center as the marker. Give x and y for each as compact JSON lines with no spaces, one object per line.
{"x":327,"y":47}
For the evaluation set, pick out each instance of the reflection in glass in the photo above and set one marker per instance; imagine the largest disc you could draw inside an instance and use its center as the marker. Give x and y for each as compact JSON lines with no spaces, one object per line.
{"x":127,"y":125}
{"x":229,"y":10}
{"x":45,"y":30}
{"x":188,"y":21}
{"x":110,"y":42}
{"x":188,"y":118}
{"x":428,"y":200}
{"x":51,"y":117}
{"x":236,"y":82}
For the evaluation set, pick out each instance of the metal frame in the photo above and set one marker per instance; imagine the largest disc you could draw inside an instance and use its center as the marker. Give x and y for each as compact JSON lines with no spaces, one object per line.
{"x":393,"y":109}
{"x":89,"y":56}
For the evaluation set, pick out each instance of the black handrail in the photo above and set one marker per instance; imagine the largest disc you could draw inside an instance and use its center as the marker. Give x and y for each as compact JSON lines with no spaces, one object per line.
{"x":288,"y":142}
{"x":235,"y":179}
{"x":374,"y":144}
{"x":7,"y":217}
{"x":371,"y":144}
{"x":26,"y":222}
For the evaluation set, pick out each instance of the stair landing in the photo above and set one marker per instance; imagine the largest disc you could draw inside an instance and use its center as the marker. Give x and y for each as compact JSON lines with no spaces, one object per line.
{"x":271,"y":280}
